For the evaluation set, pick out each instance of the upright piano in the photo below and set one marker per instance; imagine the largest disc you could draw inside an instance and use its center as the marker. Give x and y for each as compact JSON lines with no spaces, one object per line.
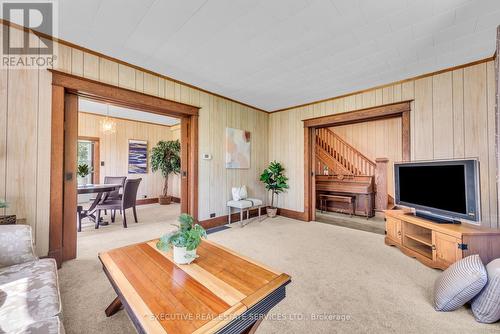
{"x":359,"y":186}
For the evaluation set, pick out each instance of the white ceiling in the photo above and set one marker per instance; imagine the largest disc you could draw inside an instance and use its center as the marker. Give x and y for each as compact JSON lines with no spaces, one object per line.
{"x":277,"y":53}
{"x":100,"y":108}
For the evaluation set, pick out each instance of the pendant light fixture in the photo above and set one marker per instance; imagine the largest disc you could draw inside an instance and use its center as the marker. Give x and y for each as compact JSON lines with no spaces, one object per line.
{"x":108,"y":125}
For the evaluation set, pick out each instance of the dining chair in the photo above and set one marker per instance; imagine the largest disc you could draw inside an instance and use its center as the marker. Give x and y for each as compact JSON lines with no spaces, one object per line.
{"x":127,"y":201}
{"x":115,"y":194}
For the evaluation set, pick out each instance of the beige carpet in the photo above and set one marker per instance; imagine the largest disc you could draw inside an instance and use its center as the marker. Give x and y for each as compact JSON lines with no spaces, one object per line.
{"x":335,"y":271}
{"x":85,"y":290}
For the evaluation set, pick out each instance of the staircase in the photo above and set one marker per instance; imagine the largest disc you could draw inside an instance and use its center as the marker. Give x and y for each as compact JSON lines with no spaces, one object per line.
{"x":334,"y":154}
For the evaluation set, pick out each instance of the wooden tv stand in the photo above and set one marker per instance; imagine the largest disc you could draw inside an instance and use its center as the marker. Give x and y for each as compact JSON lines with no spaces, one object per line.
{"x":439,"y":245}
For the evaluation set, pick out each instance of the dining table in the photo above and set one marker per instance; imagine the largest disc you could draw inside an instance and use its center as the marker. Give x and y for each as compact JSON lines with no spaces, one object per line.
{"x":102,"y":191}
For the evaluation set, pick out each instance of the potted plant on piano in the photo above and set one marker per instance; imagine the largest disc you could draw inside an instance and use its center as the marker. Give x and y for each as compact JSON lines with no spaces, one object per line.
{"x":184,"y":241}
{"x":165,"y":157}
{"x":276,"y":182}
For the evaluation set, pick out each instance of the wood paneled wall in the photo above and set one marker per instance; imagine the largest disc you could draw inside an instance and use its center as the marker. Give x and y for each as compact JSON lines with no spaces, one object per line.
{"x":25,"y":104}
{"x":376,"y":139}
{"x":114,"y":149}
{"x":25,"y":114}
{"x":452,"y":116}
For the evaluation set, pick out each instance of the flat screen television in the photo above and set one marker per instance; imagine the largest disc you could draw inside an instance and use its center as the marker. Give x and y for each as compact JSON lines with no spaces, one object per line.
{"x":443,"y":191}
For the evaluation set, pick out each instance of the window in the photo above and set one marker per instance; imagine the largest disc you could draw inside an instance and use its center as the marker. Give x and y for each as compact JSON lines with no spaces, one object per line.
{"x":86,"y":157}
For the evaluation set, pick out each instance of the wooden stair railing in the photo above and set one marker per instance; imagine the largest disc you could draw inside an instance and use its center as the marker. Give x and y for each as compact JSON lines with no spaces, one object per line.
{"x":339,"y":157}
{"x":347,"y":156}
{"x":325,"y":159}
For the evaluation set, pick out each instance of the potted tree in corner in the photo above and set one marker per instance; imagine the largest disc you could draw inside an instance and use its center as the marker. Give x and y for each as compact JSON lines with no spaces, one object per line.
{"x":165,"y":157}
{"x":276,"y":182}
{"x":185,"y":240}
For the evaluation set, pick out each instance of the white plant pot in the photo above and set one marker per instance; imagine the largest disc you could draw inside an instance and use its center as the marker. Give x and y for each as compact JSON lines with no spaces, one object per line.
{"x":183,"y":256}
{"x":81,"y":180}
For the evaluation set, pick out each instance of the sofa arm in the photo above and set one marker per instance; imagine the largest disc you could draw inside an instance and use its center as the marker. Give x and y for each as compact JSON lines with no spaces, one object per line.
{"x":16,"y":245}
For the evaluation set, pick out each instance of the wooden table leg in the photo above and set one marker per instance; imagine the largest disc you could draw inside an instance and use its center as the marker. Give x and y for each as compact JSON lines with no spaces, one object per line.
{"x":115,"y":306}
{"x":252,"y":329}
{"x":100,"y":198}
{"x":354,"y":206}
{"x":367,"y":203}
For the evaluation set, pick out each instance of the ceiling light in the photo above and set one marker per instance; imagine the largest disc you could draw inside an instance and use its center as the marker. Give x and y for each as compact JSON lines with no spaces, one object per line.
{"x":108,"y":125}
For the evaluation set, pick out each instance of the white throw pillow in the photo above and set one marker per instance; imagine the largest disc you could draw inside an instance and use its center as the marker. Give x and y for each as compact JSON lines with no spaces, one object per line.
{"x":239,"y":193}
{"x":458,"y":284}
{"x":486,"y":306}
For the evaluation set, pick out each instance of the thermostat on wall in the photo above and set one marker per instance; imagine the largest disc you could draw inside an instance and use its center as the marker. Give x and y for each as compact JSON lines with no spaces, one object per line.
{"x":206,"y":156}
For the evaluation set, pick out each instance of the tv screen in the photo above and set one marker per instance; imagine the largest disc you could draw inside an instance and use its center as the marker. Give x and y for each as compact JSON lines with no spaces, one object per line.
{"x":447,"y":189}
{"x":440,"y":187}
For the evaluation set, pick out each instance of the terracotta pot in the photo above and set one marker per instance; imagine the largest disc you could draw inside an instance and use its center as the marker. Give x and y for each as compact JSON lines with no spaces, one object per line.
{"x":271,"y":212}
{"x":164,"y":200}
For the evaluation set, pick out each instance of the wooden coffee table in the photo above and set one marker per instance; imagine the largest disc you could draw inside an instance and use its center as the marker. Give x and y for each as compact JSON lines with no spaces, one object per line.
{"x":220,"y":292}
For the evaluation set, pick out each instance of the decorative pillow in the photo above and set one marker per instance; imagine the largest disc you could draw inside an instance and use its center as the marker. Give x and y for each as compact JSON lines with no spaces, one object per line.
{"x":239,"y":193}
{"x":458,"y":284}
{"x":486,"y":306}
{"x":16,"y":245}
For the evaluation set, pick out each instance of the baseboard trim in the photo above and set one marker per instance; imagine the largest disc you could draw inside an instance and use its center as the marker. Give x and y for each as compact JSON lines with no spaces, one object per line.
{"x":235,"y":217}
{"x":144,"y":201}
{"x":152,"y":200}
{"x":292,"y":214}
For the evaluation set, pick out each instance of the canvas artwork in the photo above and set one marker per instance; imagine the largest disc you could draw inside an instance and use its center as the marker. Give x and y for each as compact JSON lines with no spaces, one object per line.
{"x":237,"y":148}
{"x":137,"y":156}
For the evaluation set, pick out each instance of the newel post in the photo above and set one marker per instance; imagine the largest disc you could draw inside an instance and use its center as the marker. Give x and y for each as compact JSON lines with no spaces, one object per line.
{"x":381,"y":196}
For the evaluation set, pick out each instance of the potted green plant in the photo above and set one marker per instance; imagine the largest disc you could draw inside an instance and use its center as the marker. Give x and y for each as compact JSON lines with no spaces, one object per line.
{"x":184,"y":241}
{"x":165,"y":157}
{"x":276,"y":182}
{"x":6,"y":220}
{"x":83,"y":170}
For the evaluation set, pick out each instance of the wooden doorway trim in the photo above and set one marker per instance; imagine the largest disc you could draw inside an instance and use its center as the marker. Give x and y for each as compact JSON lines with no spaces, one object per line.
{"x":96,"y":157}
{"x":66,"y":89}
{"x":497,"y":121}
{"x":393,"y":110}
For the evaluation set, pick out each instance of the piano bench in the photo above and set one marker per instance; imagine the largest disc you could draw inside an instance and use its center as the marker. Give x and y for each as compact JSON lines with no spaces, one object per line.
{"x":324,"y":199}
